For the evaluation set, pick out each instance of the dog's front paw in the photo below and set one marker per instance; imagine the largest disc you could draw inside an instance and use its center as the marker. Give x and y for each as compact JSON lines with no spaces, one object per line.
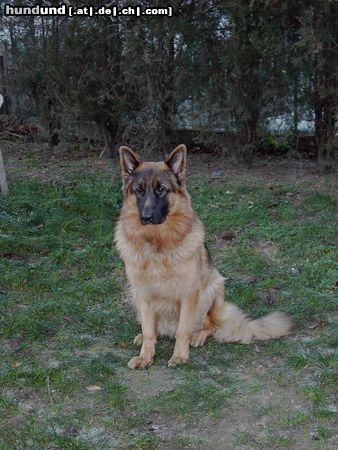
{"x":175,"y":360}
{"x":138,"y":340}
{"x":139,"y":363}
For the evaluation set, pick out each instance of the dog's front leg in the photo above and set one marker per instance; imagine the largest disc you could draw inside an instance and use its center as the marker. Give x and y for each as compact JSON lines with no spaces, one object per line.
{"x":188,"y":311}
{"x":148,"y":325}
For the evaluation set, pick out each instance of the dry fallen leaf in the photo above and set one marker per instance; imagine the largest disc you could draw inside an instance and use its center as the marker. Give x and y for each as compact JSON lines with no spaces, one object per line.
{"x":251,"y":204}
{"x":93,"y":388}
{"x":123,"y":345}
{"x":317,"y":325}
{"x":16,"y":365}
{"x":228,"y":235}
{"x":248,"y":279}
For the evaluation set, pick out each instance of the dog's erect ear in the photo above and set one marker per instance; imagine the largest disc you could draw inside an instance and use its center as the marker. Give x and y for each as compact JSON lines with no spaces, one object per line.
{"x":129,"y":160}
{"x":177,"y":161}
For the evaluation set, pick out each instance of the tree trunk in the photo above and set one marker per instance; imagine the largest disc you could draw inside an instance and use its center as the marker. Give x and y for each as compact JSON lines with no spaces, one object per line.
{"x":54,"y":125}
{"x":109,"y":131}
{"x":3,"y":182}
{"x":166,"y":89}
{"x":324,"y":135}
{"x":250,"y":138}
{"x":295,"y":107}
{"x":325,"y":113}
{"x":325,"y":87}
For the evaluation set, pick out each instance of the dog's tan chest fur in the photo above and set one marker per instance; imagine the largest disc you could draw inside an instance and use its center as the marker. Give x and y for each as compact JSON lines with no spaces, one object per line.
{"x":161,"y":275}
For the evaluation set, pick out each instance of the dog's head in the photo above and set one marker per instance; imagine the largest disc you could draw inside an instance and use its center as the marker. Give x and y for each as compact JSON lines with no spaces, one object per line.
{"x":152,"y":182}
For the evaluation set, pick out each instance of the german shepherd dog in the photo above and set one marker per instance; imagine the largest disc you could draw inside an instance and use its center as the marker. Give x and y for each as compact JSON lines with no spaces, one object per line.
{"x":175,"y":287}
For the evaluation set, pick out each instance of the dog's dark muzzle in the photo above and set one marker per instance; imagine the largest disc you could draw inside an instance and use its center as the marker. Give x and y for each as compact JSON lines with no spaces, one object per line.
{"x":153,"y":210}
{"x":146,"y":218}
{"x":150,"y":219}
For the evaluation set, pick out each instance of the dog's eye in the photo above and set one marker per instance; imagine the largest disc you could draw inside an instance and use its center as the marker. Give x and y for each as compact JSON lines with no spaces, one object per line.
{"x":139,"y":190}
{"x":161,"y":189}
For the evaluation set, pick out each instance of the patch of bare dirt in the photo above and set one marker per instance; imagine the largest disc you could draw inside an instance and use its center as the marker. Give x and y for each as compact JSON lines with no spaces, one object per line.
{"x":36,"y":160}
{"x":257,"y":417}
{"x":28,"y":400}
{"x":145,"y":383}
{"x":246,"y":417}
{"x":269,"y":170}
{"x":267,"y":249}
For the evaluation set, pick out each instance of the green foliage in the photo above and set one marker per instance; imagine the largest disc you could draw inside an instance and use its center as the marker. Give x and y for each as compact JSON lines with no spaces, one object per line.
{"x":222,"y":66}
{"x":270,"y":143}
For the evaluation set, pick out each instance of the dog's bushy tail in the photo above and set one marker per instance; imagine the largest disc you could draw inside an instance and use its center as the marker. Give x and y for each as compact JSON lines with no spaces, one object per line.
{"x":236,"y":326}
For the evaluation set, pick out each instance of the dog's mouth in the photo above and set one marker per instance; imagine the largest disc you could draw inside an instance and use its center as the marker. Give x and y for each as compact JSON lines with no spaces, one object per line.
{"x":152,"y":221}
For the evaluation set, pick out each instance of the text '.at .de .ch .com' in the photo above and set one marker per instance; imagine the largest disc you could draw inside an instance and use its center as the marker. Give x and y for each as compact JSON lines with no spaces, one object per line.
{"x":85,"y":11}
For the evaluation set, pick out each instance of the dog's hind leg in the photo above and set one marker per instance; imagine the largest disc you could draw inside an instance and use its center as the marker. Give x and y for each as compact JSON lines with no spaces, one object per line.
{"x":198,"y":339}
{"x":211,"y":322}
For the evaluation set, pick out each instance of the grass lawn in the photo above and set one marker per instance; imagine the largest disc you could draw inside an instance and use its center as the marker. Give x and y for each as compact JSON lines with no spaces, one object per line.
{"x":66,"y":334}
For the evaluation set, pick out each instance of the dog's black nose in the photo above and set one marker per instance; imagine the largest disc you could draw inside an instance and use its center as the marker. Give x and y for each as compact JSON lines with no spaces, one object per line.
{"x":146,"y":218}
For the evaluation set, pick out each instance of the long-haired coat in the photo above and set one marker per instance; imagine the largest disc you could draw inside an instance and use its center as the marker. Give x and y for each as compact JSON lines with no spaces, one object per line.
{"x":175,"y":287}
